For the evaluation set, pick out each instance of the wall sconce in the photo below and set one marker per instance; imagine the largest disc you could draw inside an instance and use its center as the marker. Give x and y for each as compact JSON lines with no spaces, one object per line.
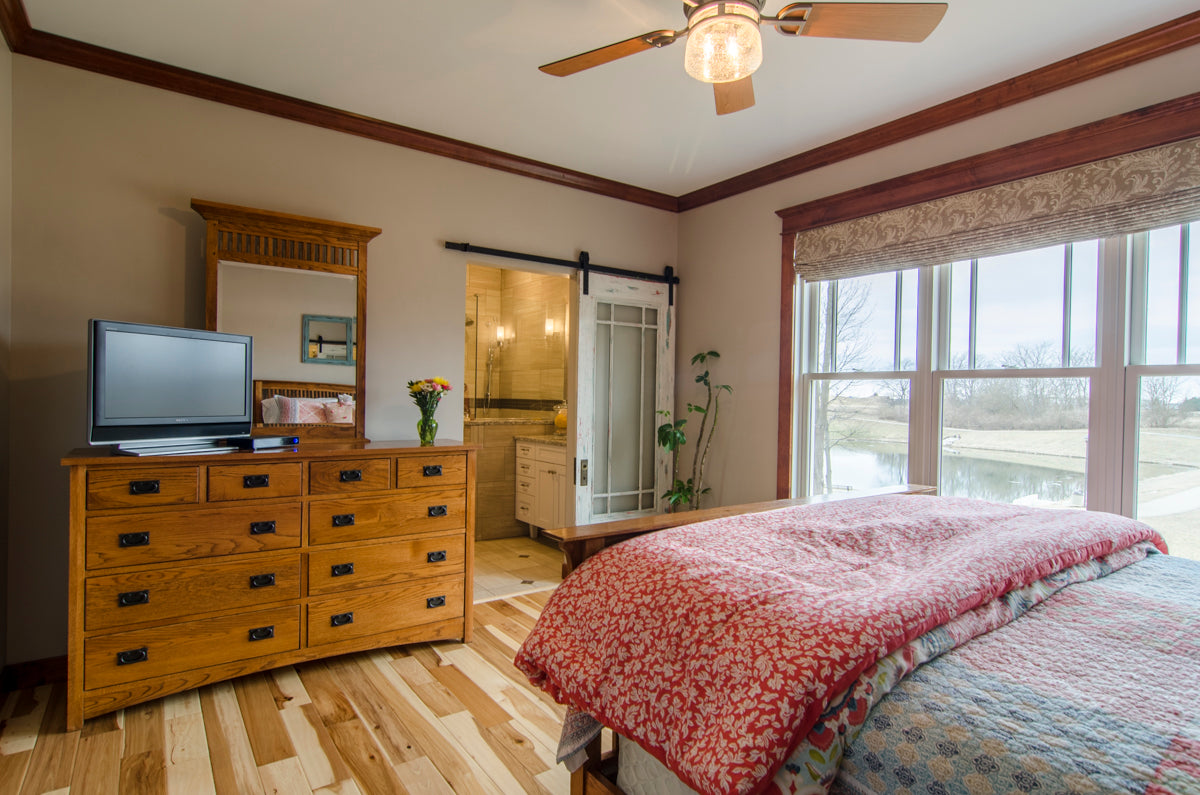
{"x":500,"y":339}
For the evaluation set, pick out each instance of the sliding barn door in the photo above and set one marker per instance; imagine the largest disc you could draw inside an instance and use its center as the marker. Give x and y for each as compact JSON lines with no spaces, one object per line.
{"x":625,"y":375}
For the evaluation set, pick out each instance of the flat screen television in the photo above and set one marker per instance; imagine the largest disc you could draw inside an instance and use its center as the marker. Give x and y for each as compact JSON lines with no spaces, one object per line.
{"x":153,"y":388}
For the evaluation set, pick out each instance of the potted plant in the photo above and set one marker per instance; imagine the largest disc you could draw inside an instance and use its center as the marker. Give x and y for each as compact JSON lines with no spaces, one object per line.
{"x":671,"y":436}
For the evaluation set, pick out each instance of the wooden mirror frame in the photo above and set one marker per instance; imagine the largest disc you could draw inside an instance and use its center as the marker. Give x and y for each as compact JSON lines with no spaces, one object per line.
{"x":263,"y":237}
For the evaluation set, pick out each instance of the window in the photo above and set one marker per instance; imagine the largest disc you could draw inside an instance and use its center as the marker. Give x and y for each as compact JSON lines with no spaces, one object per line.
{"x":1066,"y":376}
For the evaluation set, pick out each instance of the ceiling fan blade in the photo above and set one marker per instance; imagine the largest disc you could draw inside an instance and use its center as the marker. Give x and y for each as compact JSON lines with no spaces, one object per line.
{"x":876,"y":21}
{"x":603,"y":55}
{"x":733,"y":96}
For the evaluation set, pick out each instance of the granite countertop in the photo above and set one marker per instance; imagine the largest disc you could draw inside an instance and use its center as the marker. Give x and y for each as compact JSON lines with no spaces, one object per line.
{"x":558,"y":439}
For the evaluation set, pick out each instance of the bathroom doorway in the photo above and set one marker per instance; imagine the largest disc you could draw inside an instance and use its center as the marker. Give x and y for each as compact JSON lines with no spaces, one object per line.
{"x":516,"y":356}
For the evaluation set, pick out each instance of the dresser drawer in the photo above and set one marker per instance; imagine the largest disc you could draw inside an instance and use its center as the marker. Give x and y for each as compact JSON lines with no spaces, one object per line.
{"x":157,"y":651}
{"x":405,"y":513}
{"x":447,"y":469}
{"x":524,"y":508}
{"x":253,"y":481}
{"x":372,"y":612}
{"x":115,"y":600}
{"x":144,"y":486}
{"x":525,"y":468}
{"x":367,"y":565}
{"x":129,"y":539}
{"x":525,"y":485}
{"x":525,"y":450}
{"x":344,"y":477}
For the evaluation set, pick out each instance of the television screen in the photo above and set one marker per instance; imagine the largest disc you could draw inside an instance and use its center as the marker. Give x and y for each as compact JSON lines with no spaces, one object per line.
{"x":161,"y":384}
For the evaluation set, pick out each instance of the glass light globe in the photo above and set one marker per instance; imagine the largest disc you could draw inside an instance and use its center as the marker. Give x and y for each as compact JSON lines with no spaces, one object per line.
{"x":723,"y":43}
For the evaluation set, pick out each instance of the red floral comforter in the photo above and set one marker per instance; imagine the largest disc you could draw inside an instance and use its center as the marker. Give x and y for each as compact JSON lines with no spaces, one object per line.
{"x":717,"y":645}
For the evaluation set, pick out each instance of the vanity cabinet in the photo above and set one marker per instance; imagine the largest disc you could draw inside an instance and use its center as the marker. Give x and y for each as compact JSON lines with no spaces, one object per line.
{"x":542,"y":483}
{"x":187,"y":570}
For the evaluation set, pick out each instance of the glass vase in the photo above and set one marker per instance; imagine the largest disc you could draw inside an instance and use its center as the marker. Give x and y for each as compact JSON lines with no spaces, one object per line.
{"x":426,"y":429}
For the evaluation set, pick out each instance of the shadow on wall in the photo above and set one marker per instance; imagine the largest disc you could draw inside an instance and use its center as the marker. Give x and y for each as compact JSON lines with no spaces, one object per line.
{"x":53,"y":420}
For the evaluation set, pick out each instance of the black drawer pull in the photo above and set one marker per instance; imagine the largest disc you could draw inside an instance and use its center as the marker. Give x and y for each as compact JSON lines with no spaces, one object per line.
{"x":256,"y":481}
{"x":343,"y":519}
{"x":341,"y":619}
{"x":350,"y":476}
{"x":262,"y":633}
{"x":432,"y":470}
{"x":132,"y":656}
{"x":435,"y":601}
{"x":143,"y":487}
{"x":133,"y":539}
{"x":436,"y":557}
{"x":437,"y":510}
{"x":262,"y":528}
{"x":131,"y":598}
{"x":341,"y":570}
{"x":262,"y":580}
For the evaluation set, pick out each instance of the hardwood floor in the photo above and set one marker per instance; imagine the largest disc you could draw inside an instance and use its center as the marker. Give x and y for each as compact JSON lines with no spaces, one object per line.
{"x":424,"y":719}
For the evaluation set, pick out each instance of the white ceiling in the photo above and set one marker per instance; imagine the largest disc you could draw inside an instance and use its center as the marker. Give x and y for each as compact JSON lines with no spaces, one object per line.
{"x":468,"y":70}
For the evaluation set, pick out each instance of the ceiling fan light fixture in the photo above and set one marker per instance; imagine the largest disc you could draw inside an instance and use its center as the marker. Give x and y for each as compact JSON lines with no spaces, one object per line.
{"x":724,"y":43}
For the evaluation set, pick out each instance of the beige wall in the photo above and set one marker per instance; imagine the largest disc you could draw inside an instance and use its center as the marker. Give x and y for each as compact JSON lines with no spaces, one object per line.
{"x":730,"y":255}
{"x":103,"y":174}
{"x":6,"y":82}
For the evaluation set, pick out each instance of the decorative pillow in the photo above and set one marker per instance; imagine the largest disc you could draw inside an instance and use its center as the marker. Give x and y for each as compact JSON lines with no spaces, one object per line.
{"x":303,"y":411}
{"x":339,"y":412}
{"x":270,"y":411}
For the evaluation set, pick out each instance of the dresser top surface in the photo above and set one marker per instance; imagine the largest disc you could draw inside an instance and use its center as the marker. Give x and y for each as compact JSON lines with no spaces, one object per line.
{"x":106,"y":456}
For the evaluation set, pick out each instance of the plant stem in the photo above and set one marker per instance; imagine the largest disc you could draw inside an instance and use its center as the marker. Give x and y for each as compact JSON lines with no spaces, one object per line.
{"x":712,"y":429}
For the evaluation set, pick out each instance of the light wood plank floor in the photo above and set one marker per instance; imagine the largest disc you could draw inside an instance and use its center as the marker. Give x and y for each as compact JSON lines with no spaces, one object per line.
{"x":426,"y":719}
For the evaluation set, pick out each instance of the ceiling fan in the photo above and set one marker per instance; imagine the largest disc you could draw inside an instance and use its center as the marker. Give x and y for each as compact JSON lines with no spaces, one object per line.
{"x":724,"y":45}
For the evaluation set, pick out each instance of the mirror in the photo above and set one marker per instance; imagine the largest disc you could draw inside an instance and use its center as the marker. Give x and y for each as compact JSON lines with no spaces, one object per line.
{"x":282,"y":278}
{"x":328,"y":340}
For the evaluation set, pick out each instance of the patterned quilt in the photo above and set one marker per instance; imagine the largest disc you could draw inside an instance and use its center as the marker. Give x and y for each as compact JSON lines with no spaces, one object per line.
{"x":717,"y":646}
{"x":1096,"y":690}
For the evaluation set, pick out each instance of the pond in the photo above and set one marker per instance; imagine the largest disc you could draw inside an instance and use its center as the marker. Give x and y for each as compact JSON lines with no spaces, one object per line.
{"x":863,"y":467}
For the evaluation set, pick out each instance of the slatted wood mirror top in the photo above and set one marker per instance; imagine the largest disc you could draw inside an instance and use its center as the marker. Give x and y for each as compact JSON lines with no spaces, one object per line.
{"x":244,"y":235}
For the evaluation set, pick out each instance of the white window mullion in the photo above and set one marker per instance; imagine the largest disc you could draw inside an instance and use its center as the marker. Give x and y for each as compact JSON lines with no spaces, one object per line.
{"x":924,"y":416}
{"x":1106,"y":438}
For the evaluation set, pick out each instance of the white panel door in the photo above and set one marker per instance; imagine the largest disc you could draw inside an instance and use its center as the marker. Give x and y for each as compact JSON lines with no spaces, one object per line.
{"x":624,"y":374}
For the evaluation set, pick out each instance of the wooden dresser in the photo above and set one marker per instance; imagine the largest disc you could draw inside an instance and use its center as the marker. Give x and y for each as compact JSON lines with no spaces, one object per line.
{"x":186,"y":570}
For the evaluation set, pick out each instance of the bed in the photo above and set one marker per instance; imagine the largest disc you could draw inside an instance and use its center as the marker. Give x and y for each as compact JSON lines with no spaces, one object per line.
{"x":306,"y":409}
{"x":893,"y":643}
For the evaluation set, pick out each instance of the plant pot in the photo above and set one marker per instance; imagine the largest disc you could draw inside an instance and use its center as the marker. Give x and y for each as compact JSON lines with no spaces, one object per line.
{"x":426,"y":430}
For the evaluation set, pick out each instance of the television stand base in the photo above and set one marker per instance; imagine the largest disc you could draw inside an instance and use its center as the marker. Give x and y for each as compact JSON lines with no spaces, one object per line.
{"x":193,"y":447}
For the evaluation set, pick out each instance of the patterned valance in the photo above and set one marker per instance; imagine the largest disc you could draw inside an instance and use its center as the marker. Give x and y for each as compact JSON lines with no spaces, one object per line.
{"x":1131,"y":193}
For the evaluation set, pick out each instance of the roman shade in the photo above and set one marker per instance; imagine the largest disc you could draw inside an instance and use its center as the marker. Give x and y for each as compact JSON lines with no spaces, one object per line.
{"x":1129,"y":193}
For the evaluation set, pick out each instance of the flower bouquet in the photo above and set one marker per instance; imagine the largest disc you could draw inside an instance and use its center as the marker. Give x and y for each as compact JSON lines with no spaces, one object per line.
{"x":427,"y":393}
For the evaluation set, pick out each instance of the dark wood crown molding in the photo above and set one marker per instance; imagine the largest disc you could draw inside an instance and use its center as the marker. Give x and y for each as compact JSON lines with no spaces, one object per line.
{"x":1133,"y":49}
{"x":24,"y":40}
{"x":1145,"y":45}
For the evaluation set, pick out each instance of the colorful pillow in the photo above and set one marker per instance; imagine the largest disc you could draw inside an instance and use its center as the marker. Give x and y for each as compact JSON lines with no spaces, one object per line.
{"x":340,"y":413}
{"x":302,"y":411}
{"x":270,"y":411}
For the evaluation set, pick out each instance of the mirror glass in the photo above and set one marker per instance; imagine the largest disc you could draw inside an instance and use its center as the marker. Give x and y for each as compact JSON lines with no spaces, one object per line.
{"x":270,"y":304}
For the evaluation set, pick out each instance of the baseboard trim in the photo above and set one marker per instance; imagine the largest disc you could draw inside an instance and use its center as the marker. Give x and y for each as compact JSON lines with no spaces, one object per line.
{"x":34,"y":673}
